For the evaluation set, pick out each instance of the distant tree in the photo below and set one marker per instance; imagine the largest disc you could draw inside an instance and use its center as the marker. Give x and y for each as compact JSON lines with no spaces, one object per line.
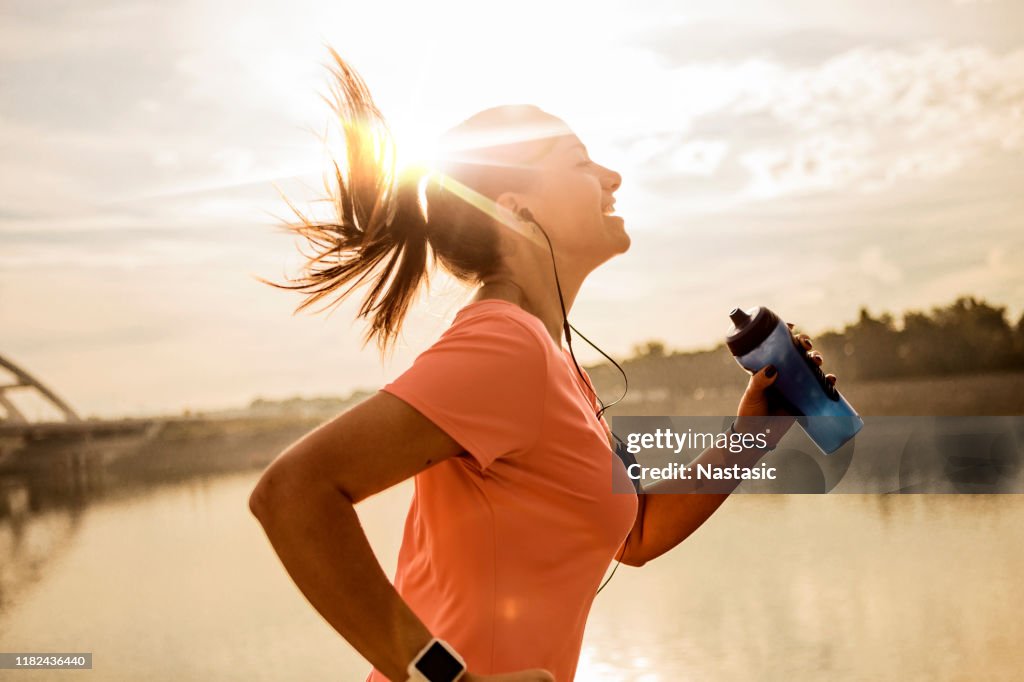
{"x":653,"y":348}
{"x":974,"y":335}
{"x":917,"y":348}
{"x":1018,"y":339}
{"x":869,"y":345}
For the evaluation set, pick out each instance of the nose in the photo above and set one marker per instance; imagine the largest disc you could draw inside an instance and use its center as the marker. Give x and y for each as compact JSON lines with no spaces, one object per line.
{"x":611,"y":180}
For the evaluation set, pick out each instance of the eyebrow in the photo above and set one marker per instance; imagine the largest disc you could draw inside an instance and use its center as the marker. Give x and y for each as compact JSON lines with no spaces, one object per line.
{"x":578,"y":144}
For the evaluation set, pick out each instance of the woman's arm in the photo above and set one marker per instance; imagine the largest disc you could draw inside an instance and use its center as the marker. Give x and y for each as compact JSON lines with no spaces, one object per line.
{"x":305,"y":503}
{"x":671,"y":512}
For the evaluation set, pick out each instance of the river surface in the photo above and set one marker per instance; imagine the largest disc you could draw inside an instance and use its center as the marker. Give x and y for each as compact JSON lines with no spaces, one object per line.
{"x":177,"y":582}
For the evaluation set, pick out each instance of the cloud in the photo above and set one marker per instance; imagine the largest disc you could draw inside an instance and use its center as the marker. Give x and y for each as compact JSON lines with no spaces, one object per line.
{"x":711,"y":41}
{"x":863,"y":119}
{"x":923,"y":111}
{"x":818,"y":162}
{"x":874,"y":264}
{"x":700,"y":157}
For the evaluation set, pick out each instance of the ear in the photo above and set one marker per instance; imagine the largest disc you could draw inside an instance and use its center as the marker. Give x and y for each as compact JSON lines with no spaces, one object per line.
{"x":510,"y":201}
{"x":509,"y":204}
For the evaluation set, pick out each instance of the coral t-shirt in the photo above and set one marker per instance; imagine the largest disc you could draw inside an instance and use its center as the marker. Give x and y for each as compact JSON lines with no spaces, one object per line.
{"x":506,"y":543}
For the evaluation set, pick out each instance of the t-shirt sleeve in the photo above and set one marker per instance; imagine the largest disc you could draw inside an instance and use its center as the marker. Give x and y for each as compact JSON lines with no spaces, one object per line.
{"x":484,"y":383}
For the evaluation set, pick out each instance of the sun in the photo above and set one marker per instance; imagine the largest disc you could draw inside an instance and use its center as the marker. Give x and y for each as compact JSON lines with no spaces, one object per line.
{"x":415,"y":146}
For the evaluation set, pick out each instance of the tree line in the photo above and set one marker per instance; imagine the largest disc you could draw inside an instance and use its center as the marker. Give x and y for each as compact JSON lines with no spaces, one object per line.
{"x":966,"y":336}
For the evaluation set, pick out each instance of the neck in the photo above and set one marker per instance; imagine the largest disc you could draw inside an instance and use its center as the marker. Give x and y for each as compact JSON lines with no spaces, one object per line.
{"x":533,"y":288}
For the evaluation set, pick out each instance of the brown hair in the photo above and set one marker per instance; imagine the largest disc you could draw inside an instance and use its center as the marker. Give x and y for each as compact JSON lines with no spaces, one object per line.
{"x":380,"y":230}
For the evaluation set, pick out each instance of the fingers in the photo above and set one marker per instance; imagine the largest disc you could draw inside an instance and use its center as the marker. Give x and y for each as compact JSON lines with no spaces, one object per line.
{"x":804,"y":339}
{"x":767,"y":375}
{"x":815,"y":356}
{"x":764,"y":377}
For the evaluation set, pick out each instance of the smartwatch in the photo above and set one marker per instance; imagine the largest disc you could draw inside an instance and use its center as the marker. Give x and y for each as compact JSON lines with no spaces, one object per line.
{"x":436,"y":662}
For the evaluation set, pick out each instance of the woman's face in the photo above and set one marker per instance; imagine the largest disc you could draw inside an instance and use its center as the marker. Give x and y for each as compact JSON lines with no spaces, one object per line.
{"x":571,"y":200}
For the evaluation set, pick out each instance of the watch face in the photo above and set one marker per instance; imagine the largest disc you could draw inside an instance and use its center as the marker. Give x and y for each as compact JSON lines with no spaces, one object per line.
{"x":437,"y":665}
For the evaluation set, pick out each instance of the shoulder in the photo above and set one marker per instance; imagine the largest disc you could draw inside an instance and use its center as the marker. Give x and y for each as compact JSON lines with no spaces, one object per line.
{"x":484,"y":382}
{"x":487,"y":343}
{"x":499,"y":327}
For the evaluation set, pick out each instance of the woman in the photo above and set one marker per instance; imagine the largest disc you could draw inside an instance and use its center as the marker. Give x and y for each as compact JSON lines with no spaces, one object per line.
{"x":513,"y":521}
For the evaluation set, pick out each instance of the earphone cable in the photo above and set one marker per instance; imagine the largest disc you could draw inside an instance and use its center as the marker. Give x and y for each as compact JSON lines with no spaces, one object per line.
{"x":568,"y":338}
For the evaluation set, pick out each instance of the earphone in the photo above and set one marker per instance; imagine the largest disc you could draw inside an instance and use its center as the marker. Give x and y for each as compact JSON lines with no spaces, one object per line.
{"x":525,"y":214}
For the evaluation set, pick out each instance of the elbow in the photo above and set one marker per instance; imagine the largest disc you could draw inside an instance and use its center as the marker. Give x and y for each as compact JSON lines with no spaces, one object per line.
{"x":634,"y":561}
{"x":266,"y":494}
{"x":632,"y":555}
{"x":280,"y":491}
{"x":257,"y":500}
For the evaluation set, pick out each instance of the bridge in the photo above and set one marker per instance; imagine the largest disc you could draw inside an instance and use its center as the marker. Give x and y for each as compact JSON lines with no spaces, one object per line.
{"x":25,"y":380}
{"x":18,"y":430}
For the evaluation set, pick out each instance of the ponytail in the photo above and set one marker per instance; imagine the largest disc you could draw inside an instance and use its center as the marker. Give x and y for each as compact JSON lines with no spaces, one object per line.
{"x":381,"y":230}
{"x":378,"y":223}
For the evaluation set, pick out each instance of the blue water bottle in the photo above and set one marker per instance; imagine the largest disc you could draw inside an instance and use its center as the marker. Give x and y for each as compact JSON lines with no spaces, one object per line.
{"x":758,"y":338}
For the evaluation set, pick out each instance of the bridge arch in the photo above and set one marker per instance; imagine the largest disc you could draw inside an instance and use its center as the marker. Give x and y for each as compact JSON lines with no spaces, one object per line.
{"x":25,"y":381}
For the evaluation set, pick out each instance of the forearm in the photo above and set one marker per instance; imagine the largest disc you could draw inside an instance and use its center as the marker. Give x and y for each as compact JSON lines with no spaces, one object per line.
{"x":315,"y":531}
{"x":674,"y":508}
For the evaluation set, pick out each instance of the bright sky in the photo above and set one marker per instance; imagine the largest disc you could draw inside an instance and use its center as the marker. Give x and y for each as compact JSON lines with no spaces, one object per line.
{"x":810,"y":156}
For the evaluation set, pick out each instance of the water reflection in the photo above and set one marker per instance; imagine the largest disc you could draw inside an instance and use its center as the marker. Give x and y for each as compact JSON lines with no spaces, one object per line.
{"x":176,"y":581}
{"x":853,"y":587}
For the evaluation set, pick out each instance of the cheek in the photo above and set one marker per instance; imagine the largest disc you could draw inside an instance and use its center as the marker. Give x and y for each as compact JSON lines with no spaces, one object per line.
{"x":573,"y":206}
{"x":583,"y":199}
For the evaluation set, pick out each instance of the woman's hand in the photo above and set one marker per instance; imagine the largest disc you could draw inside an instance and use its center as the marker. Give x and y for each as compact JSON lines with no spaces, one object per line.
{"x":756,"y":403}
{"x":532,"y":675}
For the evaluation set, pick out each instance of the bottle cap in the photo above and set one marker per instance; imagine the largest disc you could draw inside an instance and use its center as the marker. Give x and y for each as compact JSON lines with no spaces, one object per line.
{"x":739,"y":317}
{"x":749,"y":329}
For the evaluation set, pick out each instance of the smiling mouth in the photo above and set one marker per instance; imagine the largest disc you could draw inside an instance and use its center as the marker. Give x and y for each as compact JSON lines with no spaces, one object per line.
{"x":608,"y":209}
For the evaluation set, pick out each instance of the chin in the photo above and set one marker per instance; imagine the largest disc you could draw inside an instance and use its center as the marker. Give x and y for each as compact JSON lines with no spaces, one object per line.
{"x":617,"y":235}
{"x":617,"y":245}
{"x":621,"y":240}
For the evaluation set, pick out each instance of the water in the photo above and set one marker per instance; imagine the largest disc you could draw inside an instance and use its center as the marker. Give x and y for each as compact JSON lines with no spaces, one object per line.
{"x":178,"y":582}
